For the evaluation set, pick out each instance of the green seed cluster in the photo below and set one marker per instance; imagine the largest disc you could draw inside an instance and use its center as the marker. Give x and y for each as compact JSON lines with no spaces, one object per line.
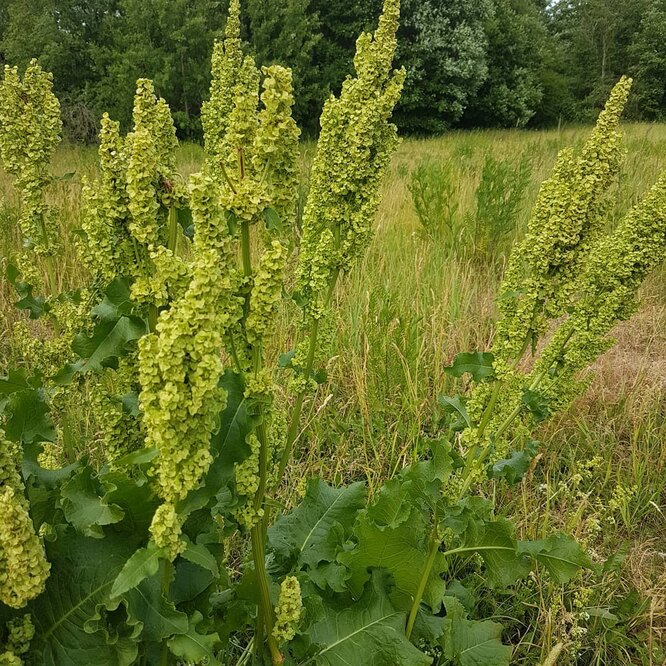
{"x":125,"y":211}
{"x":247,"y":484}
{"x":165,"y":530}
{"x":20,"y":632}
{"x":568,"y":269}
{"x":180,"y":364}
{"x":266,"y":292}
{"x":251,"y":151}
{"x":23,"y":565}
{"x":288,"y":611}
{"x":615,"y":269}
{"x":353,"y":153}
{"x":276,"y":142}
{"x":119,"y":432}
{"x":108,"y":250}
{"x":226,"y":63}
{"x":30,"y":129}
{"x":568,"y":217}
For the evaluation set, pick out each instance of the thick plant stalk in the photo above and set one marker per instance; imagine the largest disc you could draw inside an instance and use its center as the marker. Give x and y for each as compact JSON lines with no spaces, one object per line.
{"x":294,"y":424}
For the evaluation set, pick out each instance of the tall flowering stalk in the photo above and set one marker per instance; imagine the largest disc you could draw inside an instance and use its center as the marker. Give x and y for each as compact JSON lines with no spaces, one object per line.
{"x":567,"y":280}
{"x":353,"y":153}
{"x":542,"y":281}
{"x":130,"y":210}
{"x":180,"y":366}
{"x":30,"y":130}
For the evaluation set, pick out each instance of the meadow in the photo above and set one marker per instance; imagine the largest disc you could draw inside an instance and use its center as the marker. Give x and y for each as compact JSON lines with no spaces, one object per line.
{"x":417,"y":298}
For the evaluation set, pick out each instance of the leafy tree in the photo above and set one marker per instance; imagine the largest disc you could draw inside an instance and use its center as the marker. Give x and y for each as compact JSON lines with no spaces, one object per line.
{"x":168,"y":41}
{"x":649,"y":62}
{"x":288,"y":33}
{"x":512,"y":91}
{"x":340,"y":23}
{"x":443,"y":47}
{"x":596,"y":36}
{"x":63,"y":35}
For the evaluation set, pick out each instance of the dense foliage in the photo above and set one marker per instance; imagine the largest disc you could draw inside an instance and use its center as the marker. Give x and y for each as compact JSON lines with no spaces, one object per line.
{"x":490,"y":63}
{"x":173,"y":544}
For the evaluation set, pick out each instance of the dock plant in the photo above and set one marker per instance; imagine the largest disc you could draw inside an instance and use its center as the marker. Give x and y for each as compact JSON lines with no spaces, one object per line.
{"x":173,"y":544}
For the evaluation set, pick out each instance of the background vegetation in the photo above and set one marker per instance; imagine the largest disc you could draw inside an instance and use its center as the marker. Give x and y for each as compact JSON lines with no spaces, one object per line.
{"x":413,"y":303}
{"x":470,"y":63}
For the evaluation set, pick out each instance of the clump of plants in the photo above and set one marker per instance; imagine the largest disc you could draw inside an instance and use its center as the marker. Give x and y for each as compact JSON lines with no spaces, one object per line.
{"x":176,"y":547}
{"x":435,"y":196}
{"x":483,"y":233}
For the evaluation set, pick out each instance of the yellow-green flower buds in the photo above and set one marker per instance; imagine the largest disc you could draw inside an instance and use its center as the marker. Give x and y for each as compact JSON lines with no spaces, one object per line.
{"x":276,"y":142}
{"x":141,"y":176}
{"x":108,"y":250}
{"x":567,"y":217}
{"x":180,"y":364}
{"x":615,"y":269}
{"x":23,"y":565}
{"x":226,"y":63}
{"x":165,"y":530}
{"x":30,"y":129}
{"x":266,"y":292}
{"x":288,"y":611}
{"x":243,"y":122}
{"x":21,"y":631}
{"x":353,"y":153}
{"x":247,"y":482}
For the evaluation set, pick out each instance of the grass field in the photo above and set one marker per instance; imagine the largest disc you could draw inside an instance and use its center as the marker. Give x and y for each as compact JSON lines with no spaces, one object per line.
{"x":409,"y":306}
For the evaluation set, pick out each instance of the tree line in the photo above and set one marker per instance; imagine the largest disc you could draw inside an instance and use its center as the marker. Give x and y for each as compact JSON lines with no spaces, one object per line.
{"x":469,"y":63}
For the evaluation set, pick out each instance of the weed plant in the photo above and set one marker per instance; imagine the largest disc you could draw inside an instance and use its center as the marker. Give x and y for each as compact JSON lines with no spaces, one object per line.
{"x":425,"y":568}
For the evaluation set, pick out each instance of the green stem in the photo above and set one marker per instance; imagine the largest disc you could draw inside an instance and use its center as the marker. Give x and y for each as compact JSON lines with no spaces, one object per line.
{"x":50,"y":267}
{"x":165,"y":583}
{"x":506,"y":424}
{"x":152,"y":317}
{"x":173,"y":229}
{"x":246,"y":248}
{"x":434,"y":548}
{"x":266,"y":608}
{"x":292,"y":432}
{"x":258,"y":531}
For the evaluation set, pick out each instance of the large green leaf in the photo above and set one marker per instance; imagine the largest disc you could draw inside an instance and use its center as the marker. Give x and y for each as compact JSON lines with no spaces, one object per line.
{"x":498,"y":547}
{"x":228,"y":445}
{"x":516,"y":465}
{"x":84,"y":504}
{"x":194,"y":647}
{"x":370,"y":631}
{"x":561,"y":555}
{"x":36,"y":305}
{"x":403,"y":551}
{"x":108,"y":342}
{"x":305,"y":533}
{"x":116,"y":301}
{"x":471,"y":642}
{"x":477,"y":364}
{"x":16,"y":380}
{"x":66,"y":615}
{"x":156,"y":617}
{"x":29,"y":417}
{"x":143,"y":564}
{"x":417,"y":486}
